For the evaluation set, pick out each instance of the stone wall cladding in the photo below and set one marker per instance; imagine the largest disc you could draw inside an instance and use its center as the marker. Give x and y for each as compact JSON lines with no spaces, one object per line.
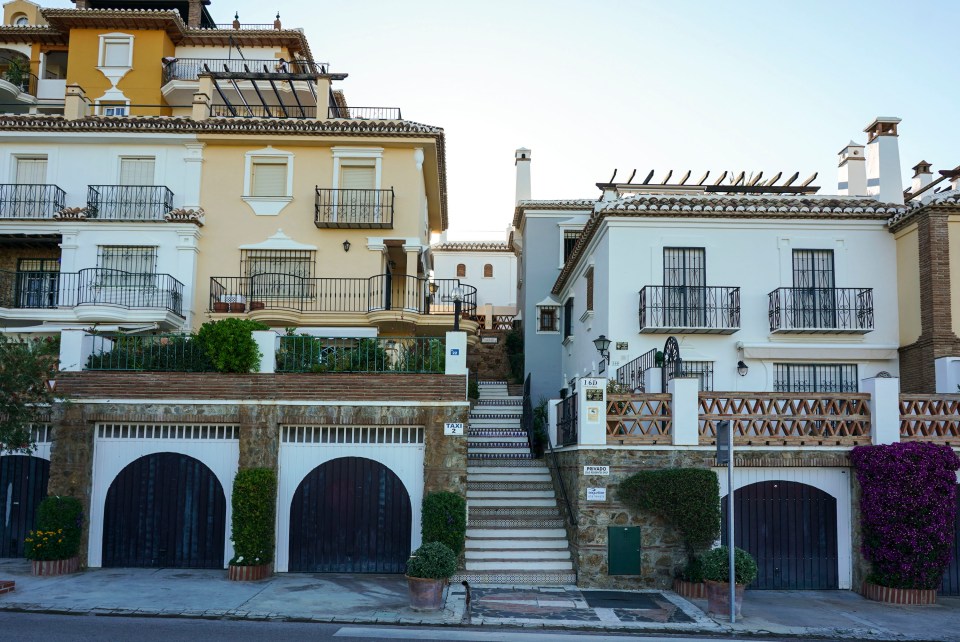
{"x":663,"y":554}
{"x":10,"y":256}
{"x":489,"y":360}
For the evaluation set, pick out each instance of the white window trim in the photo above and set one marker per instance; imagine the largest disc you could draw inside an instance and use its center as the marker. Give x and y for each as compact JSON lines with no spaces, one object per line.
{"x":118,"y":38}
{"x":15,"y":158}
{"x":266,"y":205}
{"x":566,"y":227}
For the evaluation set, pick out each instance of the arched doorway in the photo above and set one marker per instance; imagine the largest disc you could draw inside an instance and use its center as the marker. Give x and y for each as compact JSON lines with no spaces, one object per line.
{"x":350,"y":515}
{"x":791,"y":530}
{"x":23,"y":484}
{"x":165,"y":510}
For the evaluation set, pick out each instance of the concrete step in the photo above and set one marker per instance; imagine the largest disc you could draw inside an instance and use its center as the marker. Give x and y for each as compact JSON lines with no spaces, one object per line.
{"x":522,"y":467}
{"x":473,"y":533}
{"x":508,"y":524}
{"x":535,"y":578}
{"x":497,"y":442}
{"x":500,"y":458}
{"x":510,"y":494}
{"x":508,"y":402}
{"x":525,"y":543}
{"x":487,"y":512}
{"x":528,"y":554}
{"x":519,"y":565}
{"x":504,"y":449}
{"x":501,"y":486}
{"x":518,"y":477}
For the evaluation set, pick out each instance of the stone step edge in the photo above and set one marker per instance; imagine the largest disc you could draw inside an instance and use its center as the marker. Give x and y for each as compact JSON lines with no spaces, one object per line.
{"x":517,"y":577}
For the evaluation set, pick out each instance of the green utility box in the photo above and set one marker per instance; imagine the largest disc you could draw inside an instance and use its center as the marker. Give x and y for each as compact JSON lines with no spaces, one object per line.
{"x":623,"y":550}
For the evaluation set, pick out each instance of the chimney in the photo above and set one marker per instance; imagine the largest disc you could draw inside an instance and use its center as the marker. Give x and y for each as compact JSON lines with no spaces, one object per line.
{"x":884,"y":181}
{"x":953,"y":175}
{"x":523,"y":174}
{"x":922,"y":176}
{"x":852,"y":175}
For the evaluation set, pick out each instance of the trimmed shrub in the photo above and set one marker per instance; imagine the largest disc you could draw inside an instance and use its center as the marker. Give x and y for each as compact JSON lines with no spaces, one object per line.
{"x":688,"y":498}
{"x":716,"y":565}
{"x":908,"y":505}
{"x":229,"y":344}
{"x":59,"y":525}
{"x":254,"y":512}
{"x":444,"y":520}
{"x":693,"y":571}
{"x":473,"y":388}
{"x":433,"y":561}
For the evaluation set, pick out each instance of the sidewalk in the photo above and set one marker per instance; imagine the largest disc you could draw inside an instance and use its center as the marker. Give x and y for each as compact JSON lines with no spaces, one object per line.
{"x":382,"y":599}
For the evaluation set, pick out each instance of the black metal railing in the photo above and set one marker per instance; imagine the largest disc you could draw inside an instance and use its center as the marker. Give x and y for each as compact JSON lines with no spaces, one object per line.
{"x":567,"y":420}
{"x":354,"y":208}
{"x":697,"y":308}
{"x":407,"y":355}
{"x":631,"y":374}
{"x":30,"y":201}
{"x":191,"y":68}
{"x":277,"y":291}
{"x":129,"y":202}
{"x":91,"y":286}
{"x":364,"y":113}
{"x":821,"y":310}
{"x":153,"y":353}
{"x":526,"y":417}
{"x":264,"y":111}
{"x":246,"y":26}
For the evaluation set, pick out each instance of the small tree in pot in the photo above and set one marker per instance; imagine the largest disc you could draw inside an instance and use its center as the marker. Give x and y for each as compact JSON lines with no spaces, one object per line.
{"x":54,"y":546}
{"x":254,"y":512}
{"x":716,"y":574}
{"x":428,"y":572}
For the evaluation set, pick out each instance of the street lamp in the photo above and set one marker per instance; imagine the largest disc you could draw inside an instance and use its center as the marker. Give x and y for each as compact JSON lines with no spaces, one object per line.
{"x":457,"y":295}
{"x":602,"y":344}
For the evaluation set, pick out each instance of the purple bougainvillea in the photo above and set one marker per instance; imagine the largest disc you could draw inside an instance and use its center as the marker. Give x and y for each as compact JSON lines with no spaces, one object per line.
{"x":908,"y":508}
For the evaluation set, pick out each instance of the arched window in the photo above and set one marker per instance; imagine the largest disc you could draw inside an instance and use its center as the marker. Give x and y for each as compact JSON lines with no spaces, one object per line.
{"x":461,"y":269}
{"x":488,"y":271}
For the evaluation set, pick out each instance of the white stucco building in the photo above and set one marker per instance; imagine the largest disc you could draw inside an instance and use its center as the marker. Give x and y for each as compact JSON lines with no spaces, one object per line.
{"x":484,"y":262}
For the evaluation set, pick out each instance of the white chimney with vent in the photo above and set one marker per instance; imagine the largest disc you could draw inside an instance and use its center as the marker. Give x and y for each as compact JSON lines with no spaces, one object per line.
{"x":922,"y":176}
{"x":852,"y":175}
{"x":884,"y":181}
{"x":523,"y":174}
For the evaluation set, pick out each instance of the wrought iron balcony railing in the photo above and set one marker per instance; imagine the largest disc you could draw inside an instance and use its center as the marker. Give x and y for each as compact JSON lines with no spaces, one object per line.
{"x":91,"y":286}
{"x":129,"y":202}
{"x":191,"y":68}
{"x":354,"y":208}
{"x":690,"y":309}
{"x":383,"y":292}
{"x":821,"y":310}
{"x":263,"y":111}
{"x":364,"y":113}
{"x":30,"y":201}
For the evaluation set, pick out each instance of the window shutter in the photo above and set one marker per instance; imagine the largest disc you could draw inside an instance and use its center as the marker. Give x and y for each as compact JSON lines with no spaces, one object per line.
{"x":136,"y":171}
{"x":116,"y":54}
{"x":31,"y":171}
{"x":461,"y":270}
{"x":357,"y":178}
{"x":590,"y":289}
{"x":269,"y":179}
{"x":488,"y":271}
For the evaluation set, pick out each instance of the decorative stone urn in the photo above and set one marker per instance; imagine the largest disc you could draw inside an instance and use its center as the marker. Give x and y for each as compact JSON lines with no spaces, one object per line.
{"x":426,"y":594}
{"x":718,"y":597}
{"x":55,"y":567}
{"x":249,"y":573}
{"x":915,"y":597}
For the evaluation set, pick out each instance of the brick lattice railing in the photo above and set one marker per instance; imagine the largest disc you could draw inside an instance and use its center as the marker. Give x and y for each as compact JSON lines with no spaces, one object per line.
{"x":930,"y":418}
{"x":639,"y":419}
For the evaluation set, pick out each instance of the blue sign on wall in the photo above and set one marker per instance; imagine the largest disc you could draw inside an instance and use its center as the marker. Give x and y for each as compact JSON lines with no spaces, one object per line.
{"x":454,"y":352}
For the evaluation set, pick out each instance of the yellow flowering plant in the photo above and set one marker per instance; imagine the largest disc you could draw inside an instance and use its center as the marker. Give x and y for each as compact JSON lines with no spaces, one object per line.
{"x":58,"y":529}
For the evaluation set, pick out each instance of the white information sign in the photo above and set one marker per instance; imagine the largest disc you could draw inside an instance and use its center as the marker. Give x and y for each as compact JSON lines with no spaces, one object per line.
{"x":453,"y":429}
{"x":597,"y":494}
{"x":596,"y":470}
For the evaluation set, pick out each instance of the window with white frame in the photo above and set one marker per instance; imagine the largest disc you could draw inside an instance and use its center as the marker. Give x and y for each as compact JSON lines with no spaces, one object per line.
{"x":548,"y":318}
{"x":137,"y":170}
{"x":113,"y":109}
{"x":268,"y":180}
{"x":268,"y":176}
{"x":116,"y":50}
{"x":30,"y":170}
{"x":126,"y":265}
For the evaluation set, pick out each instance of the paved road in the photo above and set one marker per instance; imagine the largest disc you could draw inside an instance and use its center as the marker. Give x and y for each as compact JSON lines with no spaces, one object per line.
{"x":31,"y":627}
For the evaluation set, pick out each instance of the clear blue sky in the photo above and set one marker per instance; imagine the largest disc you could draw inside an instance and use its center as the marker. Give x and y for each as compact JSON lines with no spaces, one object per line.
{"x":590,"y":86}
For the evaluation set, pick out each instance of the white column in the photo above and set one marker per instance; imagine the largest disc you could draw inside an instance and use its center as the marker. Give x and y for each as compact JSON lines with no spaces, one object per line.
{"x":686,"y":411}
{"x":193,"y":169}
{"x":75,"y":348}
{"x":267,"y":344}
{"x":552,"y":420}
{"x":456,"y":360}
{"x":884,"y":408}
{"x":187,"y":251}
{"x":592,"y":411}
{"x":653,"y":380}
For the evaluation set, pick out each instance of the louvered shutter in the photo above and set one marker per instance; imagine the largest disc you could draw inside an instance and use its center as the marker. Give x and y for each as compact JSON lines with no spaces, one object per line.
{"x":357,"y":178}
{"x":136,"y":171}
{"x":269,"y":179}
{"x":116,"y":54}
{"x":31,"y":171}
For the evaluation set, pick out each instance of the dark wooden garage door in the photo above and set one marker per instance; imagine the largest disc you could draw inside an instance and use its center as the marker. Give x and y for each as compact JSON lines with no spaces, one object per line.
{"x":23,"y":483}
{"x":951,"y":579}
{"x":165,"y":510}
{"x":791,"y":530}
{"x":350,"y":515}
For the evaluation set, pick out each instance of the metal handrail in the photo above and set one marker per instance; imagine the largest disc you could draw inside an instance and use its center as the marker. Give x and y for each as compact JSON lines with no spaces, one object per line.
{"x":191,"y":68}
{"x":354,"y":208}
{"x":129,"y":202}
{"x":821,"y":309}
{"x":689,"y":306}
{"x":263,"y":111}
{"x":30,"y":200}
{"x":365,"y":113}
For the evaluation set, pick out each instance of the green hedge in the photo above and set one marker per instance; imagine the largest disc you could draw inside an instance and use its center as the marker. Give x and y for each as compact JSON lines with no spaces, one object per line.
{"x":58,"y":528}
{"x":688,"y":498}
{"x":254,"y":515}
{"x":444,"y":520}
{"x":229,"y":344}
{"x":434,"y":561}
{"x":716,"y":565}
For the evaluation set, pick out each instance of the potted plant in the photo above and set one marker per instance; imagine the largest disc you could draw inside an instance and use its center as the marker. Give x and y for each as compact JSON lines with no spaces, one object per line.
{"x":54,"y":546}
{"x":257,"y":305}
{"x":254,"y":511}
{"x":428,"y":573}
{"x":221,"y":306}
{"x":716,"y":575}
{"x":238,"y":306}
{"x":689,"y":582}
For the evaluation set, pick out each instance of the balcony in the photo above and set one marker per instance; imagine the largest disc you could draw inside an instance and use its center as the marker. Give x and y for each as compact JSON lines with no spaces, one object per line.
{"x":30,"y":201}
{"x":689,"y":309}
{"x":821,"y":310}
{"x":364,"y":113}
{"x":128,"y":202}
{"x":354,"y":208}
{"x":91,"y":286}
{"x":191,"y":68}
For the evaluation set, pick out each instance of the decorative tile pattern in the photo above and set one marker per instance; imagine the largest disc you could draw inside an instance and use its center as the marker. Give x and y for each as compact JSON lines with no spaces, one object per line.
{"x":509,"y":485}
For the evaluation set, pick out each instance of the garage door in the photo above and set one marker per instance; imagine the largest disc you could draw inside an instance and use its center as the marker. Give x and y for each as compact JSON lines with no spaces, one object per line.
{"x":165,"y":510}
{"x":951,"y":579}
{"x":791,"y":530}
{"x":23,"y":483}
{"x":350,"y":515}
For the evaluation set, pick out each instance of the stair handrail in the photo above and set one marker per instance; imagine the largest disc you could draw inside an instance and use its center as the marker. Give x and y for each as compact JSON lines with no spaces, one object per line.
{"x":563,"y":487}
{"x":526,"y":417}
{"x":528,"y":425}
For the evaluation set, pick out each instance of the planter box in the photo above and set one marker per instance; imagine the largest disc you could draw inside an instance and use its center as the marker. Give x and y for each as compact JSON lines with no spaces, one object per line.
{"x":877,"y":593}
{"x":221,"y":306}
{"x":690,"y":590}
{"x":257,"y":305}
{"x":718,"y":598}
{"x":55,"y":567}
{"x":238,"y":307}
{"x":249,"y":573}
{"x":426,"y":594}
{"x":7,"y":586}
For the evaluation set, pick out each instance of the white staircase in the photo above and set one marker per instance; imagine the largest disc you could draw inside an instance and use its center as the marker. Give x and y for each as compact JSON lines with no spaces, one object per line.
{"x":515,"y":530}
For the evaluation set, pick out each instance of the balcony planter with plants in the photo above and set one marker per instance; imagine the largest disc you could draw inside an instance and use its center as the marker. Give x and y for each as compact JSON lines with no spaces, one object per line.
{"x":428,"y":574}
{"x":54,"y":546}
{"x":254,"y":507}
{"x":221,"y":306}
{"x":908,"y":508}
{"x":716,"y":574}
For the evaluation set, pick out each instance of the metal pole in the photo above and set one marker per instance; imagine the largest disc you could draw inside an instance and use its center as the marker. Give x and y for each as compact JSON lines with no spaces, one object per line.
{"x":730,"y":522}
{"x":456,"y":315}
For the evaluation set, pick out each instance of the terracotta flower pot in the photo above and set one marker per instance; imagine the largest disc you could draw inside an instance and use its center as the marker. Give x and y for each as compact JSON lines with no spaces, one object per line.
{"x":238,"y":307}
{"x":55,"y":567}
{"x":426,"y":594}
{"x":718,"y":598}
{"x":877,"y":593}
{"x":221,"y":306}
{"x":690,"y":590}
{"x":249,"y":573}
{"x":257,"y":305}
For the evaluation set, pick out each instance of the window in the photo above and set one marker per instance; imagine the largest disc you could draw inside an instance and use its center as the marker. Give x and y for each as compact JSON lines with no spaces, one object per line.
{"x":276,"y":274}
{"x":31,"y":170}
{"x":488,"y":271}
{"x":547,"y":318}
{"x":568,"y":318}
{"x":20,"y":20}
{"x":570,"y":238}
{"x":269,"y":177}
{"x":815,"y":377}
{"x":36,"y":283}
{"x":814,"y":296}
{"x":684,"y":294}
{"x":358,"y":178}
{"x":590,"y":290}
{"x":116,"y":50}
{"x":137,"y":170}
{"x":113,"y":110}
{"x":461,"y":270}
{"x":126,"y":265}
{"x":268,"y":180}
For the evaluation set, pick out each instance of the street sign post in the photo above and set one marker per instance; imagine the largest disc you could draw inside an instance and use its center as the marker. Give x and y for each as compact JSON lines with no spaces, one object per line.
{"x":725,"y":456}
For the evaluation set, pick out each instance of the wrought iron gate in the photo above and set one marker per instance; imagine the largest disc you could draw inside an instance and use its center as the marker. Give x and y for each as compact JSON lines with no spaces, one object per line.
{"x":23,"y":483}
